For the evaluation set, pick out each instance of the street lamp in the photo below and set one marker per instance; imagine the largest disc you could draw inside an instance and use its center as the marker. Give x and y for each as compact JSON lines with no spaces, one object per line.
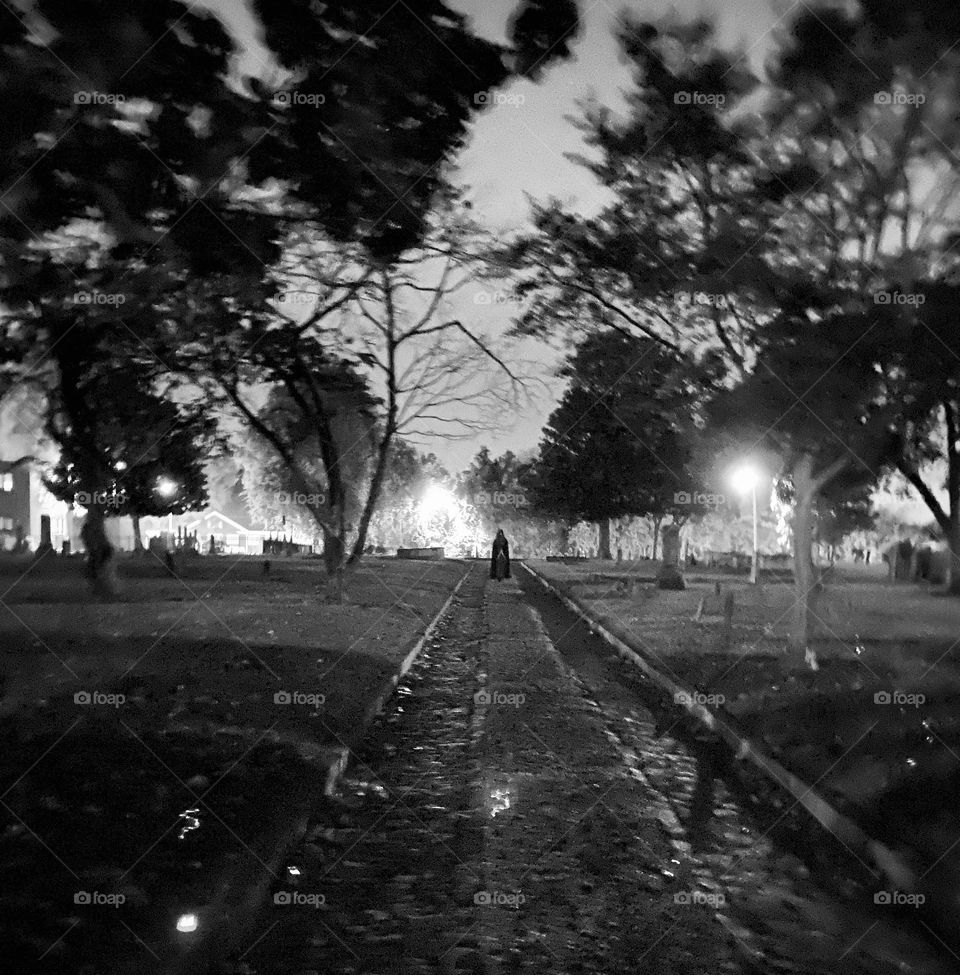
{"x":745,"y":478}
{"x":166,"y":487}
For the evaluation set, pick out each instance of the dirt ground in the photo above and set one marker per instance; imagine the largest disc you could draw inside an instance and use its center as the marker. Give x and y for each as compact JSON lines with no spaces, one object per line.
{"x":876,"y":729}
{"x":136,"y":732}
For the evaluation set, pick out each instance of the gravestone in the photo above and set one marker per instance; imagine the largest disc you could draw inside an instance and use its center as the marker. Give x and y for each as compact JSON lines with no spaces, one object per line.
{"x":45,"y":545}
{"x":669,"y":575}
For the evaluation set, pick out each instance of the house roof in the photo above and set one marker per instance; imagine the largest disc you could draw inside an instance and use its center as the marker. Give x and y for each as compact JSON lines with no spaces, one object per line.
{"x":213,"y":513}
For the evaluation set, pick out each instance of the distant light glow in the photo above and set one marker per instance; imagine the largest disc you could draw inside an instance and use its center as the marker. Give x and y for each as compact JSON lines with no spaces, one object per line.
{"x":166,"y":488}
{"x":445,"y":520}
{"x":438,"y":501}
{"x":187,"y":923}
{"x":744,"y":478}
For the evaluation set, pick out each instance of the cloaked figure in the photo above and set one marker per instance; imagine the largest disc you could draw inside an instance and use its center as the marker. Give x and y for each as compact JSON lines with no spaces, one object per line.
{"x":500,"y":557}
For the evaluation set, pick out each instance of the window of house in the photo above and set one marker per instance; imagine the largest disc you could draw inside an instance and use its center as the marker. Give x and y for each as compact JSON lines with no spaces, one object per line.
{"x":6,"y":524}
{"x":6,"y":481}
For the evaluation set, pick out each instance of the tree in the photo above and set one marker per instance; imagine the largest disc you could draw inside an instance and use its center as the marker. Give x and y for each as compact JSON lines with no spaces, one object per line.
{"x":922,"y":373}
{"x":677,"y":255}
{"x":872,"y":100}
{"x":436,"y":376}
{"x":817,"y":400}
{"x":615,"y":445}
{"x":124,"y":449}
{"x":135,"y":159}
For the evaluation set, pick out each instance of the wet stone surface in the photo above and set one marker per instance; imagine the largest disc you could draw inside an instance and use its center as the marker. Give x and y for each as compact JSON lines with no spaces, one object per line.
{"x":518,"y":808}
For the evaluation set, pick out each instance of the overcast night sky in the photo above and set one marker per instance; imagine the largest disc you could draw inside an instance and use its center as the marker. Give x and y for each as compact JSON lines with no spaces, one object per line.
{"x":518,"y":150}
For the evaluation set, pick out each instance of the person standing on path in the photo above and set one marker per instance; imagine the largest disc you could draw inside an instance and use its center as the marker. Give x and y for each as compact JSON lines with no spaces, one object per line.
{"x":500,"y":557}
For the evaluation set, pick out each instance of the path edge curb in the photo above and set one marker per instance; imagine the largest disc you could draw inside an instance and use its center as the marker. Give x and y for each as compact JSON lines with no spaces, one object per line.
{"x":884,"y":861}
{"x":206,"y":953}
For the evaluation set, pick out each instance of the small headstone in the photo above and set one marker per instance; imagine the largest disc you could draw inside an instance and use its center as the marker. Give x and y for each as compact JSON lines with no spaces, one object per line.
{"x":45,"y":545}
{"x":669,"y":575}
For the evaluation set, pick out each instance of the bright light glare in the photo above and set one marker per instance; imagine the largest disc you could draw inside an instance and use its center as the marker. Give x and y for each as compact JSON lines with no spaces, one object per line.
{"x":187,"y":923}
{"x":166,"y":488}
{"x":438,"y":501}
{"x":744,"y":478}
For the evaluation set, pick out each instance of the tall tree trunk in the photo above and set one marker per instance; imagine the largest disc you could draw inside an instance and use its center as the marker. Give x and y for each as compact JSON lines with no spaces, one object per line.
{"x":804,"y":580}
{"x":604,"y":552}
{"x":137,"y":536}
{"x":656,"y":535}
{"x":953,"y":546}
{"x":953,"y":495}
{"x":333,"y":558}
{"x":101,"y":565}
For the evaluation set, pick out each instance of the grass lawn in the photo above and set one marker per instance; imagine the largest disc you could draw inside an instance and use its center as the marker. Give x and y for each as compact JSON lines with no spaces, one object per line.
{"x":152,"y":741}
{"x":876,"y":729}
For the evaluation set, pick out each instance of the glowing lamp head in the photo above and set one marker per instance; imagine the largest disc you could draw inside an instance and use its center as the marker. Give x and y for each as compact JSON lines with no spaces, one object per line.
{"x":744,"y":478}
{"x":437,"y":501}
{"x":166,"y":488}
{"x":187,"y":923}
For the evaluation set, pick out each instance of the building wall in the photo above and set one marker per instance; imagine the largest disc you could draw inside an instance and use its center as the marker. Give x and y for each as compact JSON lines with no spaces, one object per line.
{"x":14,"y":503}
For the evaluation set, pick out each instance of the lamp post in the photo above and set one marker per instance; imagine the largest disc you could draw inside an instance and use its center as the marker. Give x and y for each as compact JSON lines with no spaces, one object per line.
{"x":745,"y":478}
